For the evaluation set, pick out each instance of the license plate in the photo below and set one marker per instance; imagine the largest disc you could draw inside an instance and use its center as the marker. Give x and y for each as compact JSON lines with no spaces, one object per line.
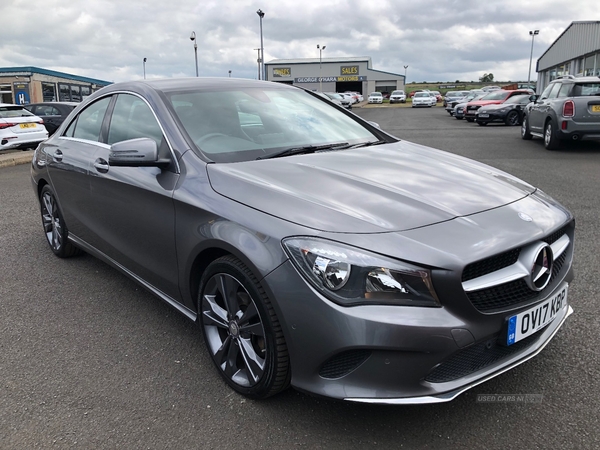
{"x":595,"y":108}
{"x":27,"y":125}
{"x":485,"y":116}
{"x":534,"y":319}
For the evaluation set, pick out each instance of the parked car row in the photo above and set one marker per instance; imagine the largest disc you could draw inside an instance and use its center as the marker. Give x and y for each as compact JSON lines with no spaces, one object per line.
{"x":492,"y":106}
{"x":25,"y":126}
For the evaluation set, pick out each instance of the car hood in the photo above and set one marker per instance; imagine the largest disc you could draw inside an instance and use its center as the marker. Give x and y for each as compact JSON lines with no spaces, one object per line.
{"x":390,"y":187}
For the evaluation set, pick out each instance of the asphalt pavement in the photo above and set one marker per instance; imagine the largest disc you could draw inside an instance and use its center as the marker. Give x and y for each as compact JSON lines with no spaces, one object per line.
{"x":89,"y":359}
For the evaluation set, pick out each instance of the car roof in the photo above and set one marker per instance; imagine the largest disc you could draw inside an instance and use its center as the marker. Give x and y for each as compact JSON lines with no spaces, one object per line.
{"x":54,"y":103}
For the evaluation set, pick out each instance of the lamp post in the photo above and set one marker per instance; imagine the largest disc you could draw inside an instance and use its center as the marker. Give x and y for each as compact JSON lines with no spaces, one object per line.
{"x":405,"y":67}
{"x":320,"y":63}
{"x":193,"y":39}
{"x":145,"y":59}
{"x":261,"y":76}
{"x":258,"y":61}
{"x":533,"y":34}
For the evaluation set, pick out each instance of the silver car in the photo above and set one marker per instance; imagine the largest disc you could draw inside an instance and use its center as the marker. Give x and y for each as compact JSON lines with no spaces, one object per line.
{"x":312,"y":248}
{"x":568,"y":109}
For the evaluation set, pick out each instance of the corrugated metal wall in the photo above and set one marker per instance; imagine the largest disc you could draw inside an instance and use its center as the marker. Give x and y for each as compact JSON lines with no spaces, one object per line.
{"x":578,"y":39}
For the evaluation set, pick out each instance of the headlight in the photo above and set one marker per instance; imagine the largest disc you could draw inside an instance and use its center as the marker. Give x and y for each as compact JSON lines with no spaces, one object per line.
{"x":351,"y":276}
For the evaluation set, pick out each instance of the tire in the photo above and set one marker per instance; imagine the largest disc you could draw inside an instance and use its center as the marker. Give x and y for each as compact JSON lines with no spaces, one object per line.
{"x":551,"y":142}
{"x":458,"y":118}
{"x":470,"y":119}
{"x":525,"y":132}
{"x":483,"y":124}
{"x":512,"y":119}
{"x":54,"y":225}
{"x":241,"y":330}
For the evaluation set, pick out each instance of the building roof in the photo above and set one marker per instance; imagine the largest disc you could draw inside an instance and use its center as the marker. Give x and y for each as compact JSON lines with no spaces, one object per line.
{"x":339,"y":59}
{"x":581,"y":37}
{"x":30,"y":70}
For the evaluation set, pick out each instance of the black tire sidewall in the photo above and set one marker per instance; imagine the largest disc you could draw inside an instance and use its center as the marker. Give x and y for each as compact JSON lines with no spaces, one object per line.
{"x":231,"y":266}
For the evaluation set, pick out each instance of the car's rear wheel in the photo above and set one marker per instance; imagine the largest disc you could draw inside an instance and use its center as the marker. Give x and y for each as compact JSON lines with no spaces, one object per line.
{"x":469,"y":119}
{"x":512,"y":118}
{"x":550,"y":140}
{"x":54,"y":225}
{"x":483,"y":124}
{"x":525,"y":132}
{"x":241,"y":330}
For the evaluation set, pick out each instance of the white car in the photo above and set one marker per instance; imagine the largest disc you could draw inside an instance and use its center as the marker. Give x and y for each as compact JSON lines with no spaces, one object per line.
{"x":357,"y":95}
{"x":375,"y":97}
{"x":423,"y":99}
{"x":398,"y":97}
{"x":19,"y":128}
{"x":350,"y":97}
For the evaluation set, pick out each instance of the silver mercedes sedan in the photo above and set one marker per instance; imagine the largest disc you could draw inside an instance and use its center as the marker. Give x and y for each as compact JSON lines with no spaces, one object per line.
{"x":312,"y":248}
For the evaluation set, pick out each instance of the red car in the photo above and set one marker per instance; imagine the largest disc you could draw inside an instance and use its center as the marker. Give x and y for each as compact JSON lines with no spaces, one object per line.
{"x":493,"y":98}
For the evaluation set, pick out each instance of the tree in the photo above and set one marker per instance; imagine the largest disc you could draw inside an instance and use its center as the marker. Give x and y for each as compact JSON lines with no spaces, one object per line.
{"x":487,"y":78}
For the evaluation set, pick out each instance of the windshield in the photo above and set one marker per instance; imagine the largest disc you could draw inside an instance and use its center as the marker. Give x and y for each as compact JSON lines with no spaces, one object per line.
{"x":398,"y":93}
{"x":375,"y":94}
{"x":251,"y":123}
{"x":8,"y":112}
{"x":422,"y":94}
{"x":518,"y":100}
{"x":496,"y":95}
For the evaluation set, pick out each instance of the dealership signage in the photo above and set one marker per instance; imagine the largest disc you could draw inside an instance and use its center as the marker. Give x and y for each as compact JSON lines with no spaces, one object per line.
{"x":21,"y":93}
{"x":282,"y":72}
{"x":452,"y":86}
{"x":349,"y":70}
{"x":329,"y":79}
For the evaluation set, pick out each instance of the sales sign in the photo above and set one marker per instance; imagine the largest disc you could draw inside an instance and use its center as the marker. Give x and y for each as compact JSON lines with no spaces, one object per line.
{"x":349,"y":70}
{"x":282,"y":72}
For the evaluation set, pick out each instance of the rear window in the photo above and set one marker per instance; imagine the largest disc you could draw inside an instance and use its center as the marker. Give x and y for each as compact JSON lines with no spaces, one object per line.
{"x":8,"y":112}
{"x":585,"y":89}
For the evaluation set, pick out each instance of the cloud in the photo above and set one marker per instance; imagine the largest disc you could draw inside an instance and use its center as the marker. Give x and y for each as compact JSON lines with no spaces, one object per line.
{"x":438,"y":40}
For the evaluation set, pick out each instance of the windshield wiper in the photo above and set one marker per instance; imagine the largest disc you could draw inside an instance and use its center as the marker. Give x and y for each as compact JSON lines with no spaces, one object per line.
{"x":367,"y":144}
{"x":305,"y":150}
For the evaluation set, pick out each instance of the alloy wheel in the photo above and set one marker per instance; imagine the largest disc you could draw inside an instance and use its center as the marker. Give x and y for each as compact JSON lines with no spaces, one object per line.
{"x":51,"y":221}
{"x":234,"y":330}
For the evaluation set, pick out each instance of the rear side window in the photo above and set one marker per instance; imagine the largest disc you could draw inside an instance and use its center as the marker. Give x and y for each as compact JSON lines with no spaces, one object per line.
{"x":585,"y":89}
{"x":564,"y":90}
{"x":554,"y":92}
{"x":89,"y":121}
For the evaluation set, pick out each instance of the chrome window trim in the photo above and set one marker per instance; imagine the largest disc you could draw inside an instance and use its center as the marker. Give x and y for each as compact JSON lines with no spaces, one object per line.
{"x":109,"y":94}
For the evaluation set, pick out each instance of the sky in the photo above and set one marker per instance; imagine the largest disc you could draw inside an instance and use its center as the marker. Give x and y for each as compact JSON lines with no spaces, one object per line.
{"x":440,"y":41}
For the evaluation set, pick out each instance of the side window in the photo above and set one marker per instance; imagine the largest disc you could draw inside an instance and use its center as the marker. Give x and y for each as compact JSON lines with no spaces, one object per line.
{"x":546,"y":92}
{"x":554,"y":91}
{"x":89,"y":121}
{"x":564,"y":90}
{"x":132,"y":118}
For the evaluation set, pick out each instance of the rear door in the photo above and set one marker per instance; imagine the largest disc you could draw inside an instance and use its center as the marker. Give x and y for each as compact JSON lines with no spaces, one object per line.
{"x":69,"y":158}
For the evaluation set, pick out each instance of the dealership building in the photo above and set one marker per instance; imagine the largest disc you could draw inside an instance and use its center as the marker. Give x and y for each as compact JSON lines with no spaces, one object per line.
{"x":24,"y":85}
{"x":354,"y":74}
{"x":575,"y":52}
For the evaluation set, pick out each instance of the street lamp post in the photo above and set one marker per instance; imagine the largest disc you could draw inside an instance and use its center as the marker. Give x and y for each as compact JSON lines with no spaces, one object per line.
{"x":533,"y":34}
{"x":145,"y":59}
{"x":258,"y":61}
{"x":261,"y":14}
{"x":405,"y":67}
{"x":193,"y":39}
{"x":320,"y":61}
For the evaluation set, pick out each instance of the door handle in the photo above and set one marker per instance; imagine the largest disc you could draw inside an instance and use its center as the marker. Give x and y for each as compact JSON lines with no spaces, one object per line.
{"x":58,"y":155}
{"x":101,"y":165}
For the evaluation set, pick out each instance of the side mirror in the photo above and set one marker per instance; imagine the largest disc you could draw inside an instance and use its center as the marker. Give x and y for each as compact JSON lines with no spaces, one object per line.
{"x":140,"y":152}
{"x":534,"y":98}
{"x":375,"y":124}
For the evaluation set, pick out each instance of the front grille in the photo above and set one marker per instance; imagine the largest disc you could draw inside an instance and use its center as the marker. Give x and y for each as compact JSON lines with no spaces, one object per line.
{"x":515,"y":293}
{"x":489,"y":265}
{"x":343,"y":363}
{"x":477,"y":357}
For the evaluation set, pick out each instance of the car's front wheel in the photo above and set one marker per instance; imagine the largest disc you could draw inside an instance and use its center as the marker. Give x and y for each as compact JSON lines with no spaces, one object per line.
{"x":550,"y":140}
{"x":512,"y":118}
{"x":241,"y":330}
{"x":483,"y":124}
{"x":54,"y":225}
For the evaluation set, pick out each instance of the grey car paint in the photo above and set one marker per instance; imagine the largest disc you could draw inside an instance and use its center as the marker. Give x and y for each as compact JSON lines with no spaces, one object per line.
{"x":163,"y":227}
